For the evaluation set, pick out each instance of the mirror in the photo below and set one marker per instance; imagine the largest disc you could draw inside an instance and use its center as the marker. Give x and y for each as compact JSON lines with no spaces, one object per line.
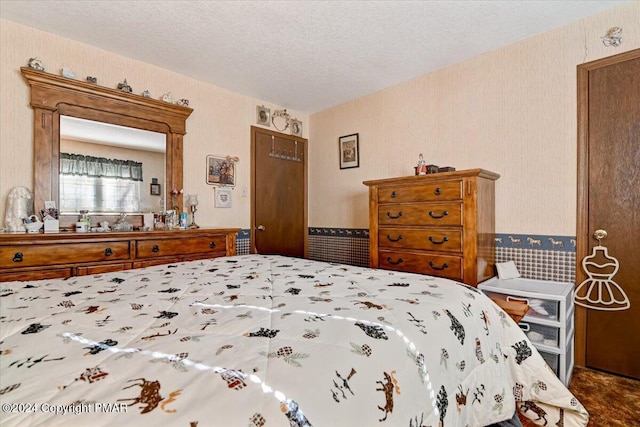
{"x":53,"y":97}
{"x":95,"y":168}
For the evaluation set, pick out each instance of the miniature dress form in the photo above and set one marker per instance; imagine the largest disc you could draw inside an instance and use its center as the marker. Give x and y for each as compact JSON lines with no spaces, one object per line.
{"x":598,"y":291}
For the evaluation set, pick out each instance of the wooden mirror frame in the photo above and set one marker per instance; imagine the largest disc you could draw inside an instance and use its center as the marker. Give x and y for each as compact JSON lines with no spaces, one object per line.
{"x":53,"y":96}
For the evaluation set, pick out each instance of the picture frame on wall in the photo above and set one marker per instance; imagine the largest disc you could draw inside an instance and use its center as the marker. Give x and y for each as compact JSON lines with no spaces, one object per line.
{"x":223,"y":198}
{"x":296,"y":128}
{"x":349,"y":147}
{"x":263,"y":115}
{"x":154,"y":189}
{"x":220,"y":171}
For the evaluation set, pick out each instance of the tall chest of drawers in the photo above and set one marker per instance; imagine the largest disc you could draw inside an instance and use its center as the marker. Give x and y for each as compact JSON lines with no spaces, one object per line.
{"x":440,"y":224}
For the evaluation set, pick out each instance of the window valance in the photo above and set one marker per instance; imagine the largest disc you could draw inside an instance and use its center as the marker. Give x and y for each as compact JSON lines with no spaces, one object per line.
{"x":77,"y":164}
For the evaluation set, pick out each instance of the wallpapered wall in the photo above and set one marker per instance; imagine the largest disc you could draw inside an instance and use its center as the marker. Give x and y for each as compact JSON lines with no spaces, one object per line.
{"x":511,"y":111}
{"x":220,"y":123}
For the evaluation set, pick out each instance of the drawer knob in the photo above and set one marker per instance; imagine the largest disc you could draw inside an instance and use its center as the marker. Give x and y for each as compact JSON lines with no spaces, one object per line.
{"x":155,"y":249}
{"x":397,"y":239}
{"x":432,"y":265}
{"x":108,"y":252}
{"x":437,"y":192}
{"x":445,"y":239}
{"x":18,"y":257}
{"x":394,"y":216}
{"x":432,"y":215}
{"x":392,"y":262}
{"x":393,"y":194}
{"x":212,"y":245}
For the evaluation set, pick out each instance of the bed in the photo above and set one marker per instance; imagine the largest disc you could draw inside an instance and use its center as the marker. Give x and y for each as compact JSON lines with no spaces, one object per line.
{"x":270,"y":341}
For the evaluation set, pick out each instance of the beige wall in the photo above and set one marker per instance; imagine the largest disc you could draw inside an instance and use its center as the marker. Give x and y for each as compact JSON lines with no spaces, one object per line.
{"x":220,"y":123}
{"x":511,"y":111}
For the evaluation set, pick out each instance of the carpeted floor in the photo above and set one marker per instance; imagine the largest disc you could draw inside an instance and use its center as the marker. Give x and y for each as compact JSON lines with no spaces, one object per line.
{"x":611,"y":401}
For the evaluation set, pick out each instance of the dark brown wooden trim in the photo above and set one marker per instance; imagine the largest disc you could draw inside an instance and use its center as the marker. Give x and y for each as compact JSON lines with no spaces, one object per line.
{"x":583,"y":234}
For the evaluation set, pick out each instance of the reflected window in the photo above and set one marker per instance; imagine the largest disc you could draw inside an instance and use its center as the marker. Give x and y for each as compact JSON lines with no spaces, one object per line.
{"x":98,"y":184}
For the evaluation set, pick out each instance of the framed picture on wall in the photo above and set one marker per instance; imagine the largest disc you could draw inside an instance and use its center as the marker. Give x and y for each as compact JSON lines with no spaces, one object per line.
{"x":223,"y":198}
{"x":349,"y":151}
{"x":220,"y":171}
{"x":155,"y":189}
{"x":263,"y":116}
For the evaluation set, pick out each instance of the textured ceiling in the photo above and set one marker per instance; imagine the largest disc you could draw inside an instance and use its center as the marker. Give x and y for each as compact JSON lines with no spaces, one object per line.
{"x":303,"y":55}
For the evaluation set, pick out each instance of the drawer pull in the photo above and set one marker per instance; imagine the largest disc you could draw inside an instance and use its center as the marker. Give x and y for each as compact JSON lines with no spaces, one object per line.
{"x":524,"y":300}
{"x":438,"y":191}
{"x":212,"y":245}
{"x":108,"y":252}
{"x":432,"y":215}
{"x":445,"y":239}
{"x":18,"y":257}
{"x":397,"y":239}
{"x":394,"y":216}
{"x":392,"y":262}
{"x":155,"y":249}
{"x":445,"y":265}
{"x":394,"y":194}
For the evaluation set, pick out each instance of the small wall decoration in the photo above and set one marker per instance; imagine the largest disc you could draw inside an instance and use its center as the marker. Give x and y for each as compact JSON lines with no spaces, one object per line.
{"x":221,"y":170}
{"x":36,"y":64}
{"x":65,"y":72}
{"x":184,"y":102}
{"x":223,"y":198}
{"x":146,"y":94}
{"x":349,"y":151}
{"x":263,"y":115}
{"x":296,"y":127}
{"x":167,"y":97}
{"x":93,"y":80}
{"x":613,"y":37}
{"x":155,"y":189}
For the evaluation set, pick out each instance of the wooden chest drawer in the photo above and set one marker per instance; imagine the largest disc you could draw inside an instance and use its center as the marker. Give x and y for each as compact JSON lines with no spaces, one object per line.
{"x":425,"y":214}
{"x":448,"y":190}
{"x":432,"y":239}
{"x":175,"y":247}
{"x":425,"y":263}
{"x":20,"y":256}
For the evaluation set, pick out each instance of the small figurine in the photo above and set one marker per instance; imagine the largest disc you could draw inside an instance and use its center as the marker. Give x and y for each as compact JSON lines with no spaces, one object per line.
{"x":166,"y":97}
{"x":421,"y":168}
{"x":613,"y":37}
{"x":146,"y":94}
{"x":36,"y":64}
{"x":124,"y":86}
{"x":65,"y":72}
{"x":183,"y":102}
{"x":93,"y":80}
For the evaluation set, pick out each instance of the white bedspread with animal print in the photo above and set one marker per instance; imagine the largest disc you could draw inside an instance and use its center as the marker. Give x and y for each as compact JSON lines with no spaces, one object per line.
{"x":266,"y":341}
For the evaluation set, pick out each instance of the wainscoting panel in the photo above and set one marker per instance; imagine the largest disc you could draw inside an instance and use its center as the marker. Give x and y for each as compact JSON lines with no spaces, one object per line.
{"x":540,"y":257}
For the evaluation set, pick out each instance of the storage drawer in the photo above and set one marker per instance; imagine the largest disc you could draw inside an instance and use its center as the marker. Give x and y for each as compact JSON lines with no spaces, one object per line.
{"x":449,"y":190}
{"x":434,"y":239}
{"x":437,"y":265}
{"x":175,"y":247}
{"x":20,"y":256}
{"x":541,"y":334}
{"x":539,"y":308}
{"x":421,"y":214}
{"x":58,"y":273}
{"x":553,"y":360}
{"x":103,"y":268}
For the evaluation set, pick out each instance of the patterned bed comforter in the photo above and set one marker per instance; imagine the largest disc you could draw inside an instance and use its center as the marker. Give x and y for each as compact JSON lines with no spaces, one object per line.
{"x":267,"y":341}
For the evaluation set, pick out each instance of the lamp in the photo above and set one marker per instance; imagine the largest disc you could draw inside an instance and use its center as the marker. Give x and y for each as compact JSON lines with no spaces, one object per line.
{"x":192,"y":201}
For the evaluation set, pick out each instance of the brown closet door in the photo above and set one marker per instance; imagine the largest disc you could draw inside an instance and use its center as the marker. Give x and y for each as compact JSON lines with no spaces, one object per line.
{"x":613,"y":152}
{"x":279,"y":193}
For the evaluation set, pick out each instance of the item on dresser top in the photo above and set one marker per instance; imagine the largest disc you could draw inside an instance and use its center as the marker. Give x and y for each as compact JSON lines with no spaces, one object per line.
{"x":507,"y":270}
{"x":19,"y":206}
{"x":36,"y":64}
{"x":124,"y":86}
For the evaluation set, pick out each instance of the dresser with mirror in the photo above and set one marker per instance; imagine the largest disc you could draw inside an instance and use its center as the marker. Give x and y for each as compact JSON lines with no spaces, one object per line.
{"x":68,"y":111}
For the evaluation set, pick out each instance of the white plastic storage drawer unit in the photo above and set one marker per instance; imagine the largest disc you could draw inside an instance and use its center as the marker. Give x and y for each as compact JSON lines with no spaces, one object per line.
{"x":549,"y":322}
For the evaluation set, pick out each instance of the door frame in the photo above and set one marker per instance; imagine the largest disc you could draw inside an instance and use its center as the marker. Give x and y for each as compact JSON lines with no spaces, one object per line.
{"x":583,"y":235}
{"x":252,"y":241}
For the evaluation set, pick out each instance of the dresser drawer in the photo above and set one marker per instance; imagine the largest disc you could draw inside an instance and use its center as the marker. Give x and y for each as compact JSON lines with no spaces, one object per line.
{"x":175,"y":247}
{"x":421,"y":214}
{"x":449,"y":190}
{"x":20,"y":256}
{"x":437,"y":265}
{"x":434,"y":239}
